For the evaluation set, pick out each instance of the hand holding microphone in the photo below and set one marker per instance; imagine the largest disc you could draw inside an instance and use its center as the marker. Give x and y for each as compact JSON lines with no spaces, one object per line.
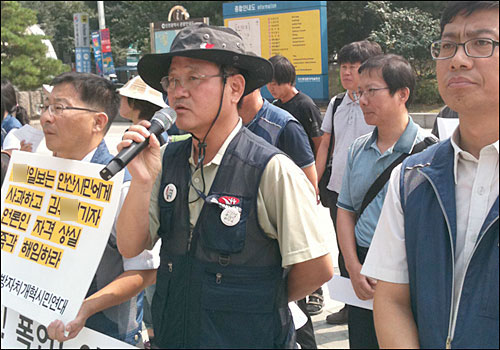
{"x":161,"y":121}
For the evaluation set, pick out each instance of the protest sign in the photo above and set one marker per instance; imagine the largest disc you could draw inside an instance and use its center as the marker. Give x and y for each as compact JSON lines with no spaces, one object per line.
{"x":57,"y":215}
{"x":21,"y":332}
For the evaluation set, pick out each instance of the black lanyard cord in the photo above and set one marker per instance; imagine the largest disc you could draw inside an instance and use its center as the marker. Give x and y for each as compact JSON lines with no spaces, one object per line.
{"x":202,"y":150}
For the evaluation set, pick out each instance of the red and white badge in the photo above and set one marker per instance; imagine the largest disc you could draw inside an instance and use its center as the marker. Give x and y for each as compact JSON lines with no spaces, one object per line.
{"x":228,"y":200}
{"x":170,"y":193}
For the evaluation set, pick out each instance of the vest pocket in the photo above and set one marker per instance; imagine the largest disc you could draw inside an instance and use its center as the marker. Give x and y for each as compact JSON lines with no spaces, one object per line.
{"x":161,"y":314}
{"x":220,"y":237}
{"x":237,"y":310}
{"x":489,"y":302}
{"x":166,"y":214}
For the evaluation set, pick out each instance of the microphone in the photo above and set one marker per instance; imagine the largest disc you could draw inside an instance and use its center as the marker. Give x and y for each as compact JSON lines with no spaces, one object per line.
{"x":162,"y":120}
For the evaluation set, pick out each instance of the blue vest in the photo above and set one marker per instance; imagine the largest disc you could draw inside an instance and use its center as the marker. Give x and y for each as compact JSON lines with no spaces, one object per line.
{"x":10,"y":122}
{"x":269,"y":125}
{"x":122,"y":321}
{"x":428,"y":200}
{"x":219,"y":286}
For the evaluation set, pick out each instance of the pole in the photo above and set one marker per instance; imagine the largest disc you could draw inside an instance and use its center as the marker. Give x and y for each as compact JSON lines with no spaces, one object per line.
{"x":100,"y":10}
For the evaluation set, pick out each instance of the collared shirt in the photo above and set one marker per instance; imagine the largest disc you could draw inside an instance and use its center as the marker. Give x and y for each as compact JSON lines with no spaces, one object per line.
{"x":148,"y":259}
{"x":349,"y":124}
{"x":476,"y":189}
{"x":286,"y":205}
{"x":365,"y":163}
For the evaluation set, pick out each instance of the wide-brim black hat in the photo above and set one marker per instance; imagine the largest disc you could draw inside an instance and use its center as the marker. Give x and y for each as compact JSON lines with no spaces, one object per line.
{"x":220,"y":45}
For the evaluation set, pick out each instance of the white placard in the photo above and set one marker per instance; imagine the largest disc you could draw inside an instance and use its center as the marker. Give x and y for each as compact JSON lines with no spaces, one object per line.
{"x":340,"y":289}
{"x":446,"y":127}
{"x":27,"y":133}
{"x":47,"y":263}
{"x":21,"y":332}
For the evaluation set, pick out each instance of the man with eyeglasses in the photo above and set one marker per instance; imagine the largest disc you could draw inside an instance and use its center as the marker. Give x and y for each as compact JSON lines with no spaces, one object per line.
{"x":385,"y":90}
{"x":75,"y":118}
{"x":435,"y":250}
{"x":237,"y":218}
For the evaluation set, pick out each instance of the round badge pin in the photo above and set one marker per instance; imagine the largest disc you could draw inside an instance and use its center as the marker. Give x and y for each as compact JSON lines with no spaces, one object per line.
{"x":230,"y":216}
{"x":170,"y":193}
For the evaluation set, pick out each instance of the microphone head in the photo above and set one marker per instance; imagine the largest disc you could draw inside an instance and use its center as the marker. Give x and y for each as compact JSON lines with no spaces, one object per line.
{"x":165,"y":116}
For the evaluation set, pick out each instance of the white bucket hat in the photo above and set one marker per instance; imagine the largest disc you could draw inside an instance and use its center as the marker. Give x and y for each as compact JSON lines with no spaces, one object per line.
{"x":138,"y":89}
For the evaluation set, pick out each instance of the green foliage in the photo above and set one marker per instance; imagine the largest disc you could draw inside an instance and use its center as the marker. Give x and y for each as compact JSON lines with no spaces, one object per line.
{"x":427,"y":93}
{"x":23,"y":56}
{"x":408,"y":32}
{"x":348,"y":21}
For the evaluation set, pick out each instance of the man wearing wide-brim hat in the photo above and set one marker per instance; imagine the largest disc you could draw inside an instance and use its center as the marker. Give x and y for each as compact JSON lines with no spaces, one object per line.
{"x":237,"y":218}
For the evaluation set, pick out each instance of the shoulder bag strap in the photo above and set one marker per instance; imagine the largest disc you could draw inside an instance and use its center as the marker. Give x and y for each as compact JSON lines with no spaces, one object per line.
{"x":336,"y":104}
{"x":386,"y":174}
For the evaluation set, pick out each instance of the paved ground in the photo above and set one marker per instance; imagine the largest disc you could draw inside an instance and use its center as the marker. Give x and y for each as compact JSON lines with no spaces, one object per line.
{"x":327,"y":336}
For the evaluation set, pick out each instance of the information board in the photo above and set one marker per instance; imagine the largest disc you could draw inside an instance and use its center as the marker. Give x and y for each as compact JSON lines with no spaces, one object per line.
{"x":163,"y":33}
{"x":294,"y":29}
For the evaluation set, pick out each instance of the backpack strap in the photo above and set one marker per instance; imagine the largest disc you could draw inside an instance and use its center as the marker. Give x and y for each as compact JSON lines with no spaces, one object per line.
{"x":380,"y":182}
{"x":338,"y":100}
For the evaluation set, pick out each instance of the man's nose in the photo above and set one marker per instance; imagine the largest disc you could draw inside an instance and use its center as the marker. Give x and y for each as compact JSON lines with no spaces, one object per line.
{"x":45,"y":117}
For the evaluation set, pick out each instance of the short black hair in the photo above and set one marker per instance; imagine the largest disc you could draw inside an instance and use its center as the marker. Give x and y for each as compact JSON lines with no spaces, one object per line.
{"x":93,"y":90}
{"x":284,"y":71}
{"x":146,"y":109}
{"x":465,"y":8}
{"x":396,"y":72}
{"x":358,"y":51}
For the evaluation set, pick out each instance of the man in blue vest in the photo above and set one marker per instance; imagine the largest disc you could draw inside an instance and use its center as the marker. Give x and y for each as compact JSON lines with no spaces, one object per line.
{"x":435,"y":250}
{"x":75,"y":118}
{"x":237,"y":218}
{"x":281,"y":129}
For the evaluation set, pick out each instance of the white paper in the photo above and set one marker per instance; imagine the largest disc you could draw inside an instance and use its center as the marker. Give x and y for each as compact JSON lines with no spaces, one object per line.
{"x":51,"y":285}
{"x":446,"y":127}
{"x":27,"y":133}
{"x":18,"y":331}
{"x":340,"y":289}
{"x":299,"y":318}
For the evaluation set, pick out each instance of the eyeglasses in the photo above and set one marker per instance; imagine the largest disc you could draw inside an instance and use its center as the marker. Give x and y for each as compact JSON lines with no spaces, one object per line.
{"x":191,"y":82}
{"x":57,"y":109}
{"x":475,"y":48}
{"x":370,"y":92}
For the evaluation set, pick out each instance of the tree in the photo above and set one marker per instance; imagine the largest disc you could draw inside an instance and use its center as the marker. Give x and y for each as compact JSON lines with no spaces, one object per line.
{"x":23,"y":56}
{"x":56,"y":19}
{"x":408,"y":32}
{"x":348,"y":21}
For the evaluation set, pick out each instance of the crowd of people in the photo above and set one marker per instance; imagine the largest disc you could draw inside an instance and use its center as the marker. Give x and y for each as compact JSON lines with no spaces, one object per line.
{"x":217,"y":233}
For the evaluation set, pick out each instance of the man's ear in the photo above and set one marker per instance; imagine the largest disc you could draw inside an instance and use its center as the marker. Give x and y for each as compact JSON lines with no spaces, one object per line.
{"x":237,"y":85}
{"x":403,"y":94}
{"x":100,"y":121}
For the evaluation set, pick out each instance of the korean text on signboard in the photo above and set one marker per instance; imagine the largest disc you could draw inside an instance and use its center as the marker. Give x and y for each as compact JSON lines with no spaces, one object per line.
{"x":56,"y":218}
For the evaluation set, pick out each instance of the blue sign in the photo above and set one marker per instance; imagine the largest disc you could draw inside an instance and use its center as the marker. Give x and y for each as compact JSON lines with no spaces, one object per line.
{"x":108,"y":66}
{"x":294,"y":29}
{"x":96,"y":45}
{"x":83,"y":63}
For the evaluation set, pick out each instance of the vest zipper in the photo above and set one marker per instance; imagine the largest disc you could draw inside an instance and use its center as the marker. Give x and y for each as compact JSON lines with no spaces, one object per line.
{"x":452,"y":321}
{"x":170,"y":267}
{"x":218,"y":277}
